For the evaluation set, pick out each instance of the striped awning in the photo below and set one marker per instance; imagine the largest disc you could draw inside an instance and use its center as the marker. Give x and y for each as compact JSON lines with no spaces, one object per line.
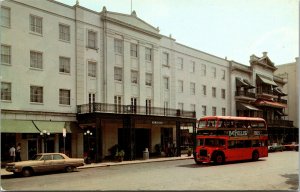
{"x":270,"y":104}
{"x":267,"y":80}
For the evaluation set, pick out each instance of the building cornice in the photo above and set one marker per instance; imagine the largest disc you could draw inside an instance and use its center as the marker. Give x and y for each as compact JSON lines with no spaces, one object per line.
{"x":8,"y":111}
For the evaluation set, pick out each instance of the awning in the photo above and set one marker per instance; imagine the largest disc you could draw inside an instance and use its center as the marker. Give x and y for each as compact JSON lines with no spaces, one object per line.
{"x":17,"y":126}
{"x":267,"y":80}
{"x":250,"y":86}
{"x":270,"y":104}
{"x":279,"y":91}
{"x":52,"y":126}
{"x":240,"y":82}
{"x":248,"y":107}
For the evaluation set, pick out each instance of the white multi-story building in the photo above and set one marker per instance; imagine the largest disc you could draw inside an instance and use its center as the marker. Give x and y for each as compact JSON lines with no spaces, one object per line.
{"x":107,"y":78}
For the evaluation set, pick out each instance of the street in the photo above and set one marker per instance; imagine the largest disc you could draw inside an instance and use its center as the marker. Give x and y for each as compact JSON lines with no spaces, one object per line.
{"x":277,"y":172}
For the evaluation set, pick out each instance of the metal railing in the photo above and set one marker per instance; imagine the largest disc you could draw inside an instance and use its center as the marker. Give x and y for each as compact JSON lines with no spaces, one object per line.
{"x":131,"y":109}
{"x":245,"y":94}
{"x":280,"y":123}
{"x":284,"y":101}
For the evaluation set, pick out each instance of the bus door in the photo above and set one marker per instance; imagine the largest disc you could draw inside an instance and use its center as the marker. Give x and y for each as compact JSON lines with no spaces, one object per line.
{"x":232,"y":151}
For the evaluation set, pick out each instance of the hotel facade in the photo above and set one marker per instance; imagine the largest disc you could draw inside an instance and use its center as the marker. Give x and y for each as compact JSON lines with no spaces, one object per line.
{"x":79,"y":81}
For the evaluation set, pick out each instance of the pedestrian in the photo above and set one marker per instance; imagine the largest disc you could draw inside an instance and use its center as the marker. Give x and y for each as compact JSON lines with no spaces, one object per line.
{"x":12,"y":153}
{"x":18,"y":152}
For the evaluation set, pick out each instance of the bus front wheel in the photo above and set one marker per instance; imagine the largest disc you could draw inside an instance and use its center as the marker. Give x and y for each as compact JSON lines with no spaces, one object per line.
{"x":255,"y":156}
{"x":219,"y":159}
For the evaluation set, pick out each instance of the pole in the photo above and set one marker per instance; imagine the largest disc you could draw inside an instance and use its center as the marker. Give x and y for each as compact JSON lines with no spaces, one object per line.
{"x":64,"y":145}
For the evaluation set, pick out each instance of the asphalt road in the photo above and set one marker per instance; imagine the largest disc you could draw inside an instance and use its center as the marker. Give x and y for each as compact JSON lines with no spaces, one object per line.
{"x":277,"y":172}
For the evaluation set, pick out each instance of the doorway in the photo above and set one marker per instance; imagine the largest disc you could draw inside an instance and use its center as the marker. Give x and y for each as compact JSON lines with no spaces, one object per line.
{"x":32,"y":148}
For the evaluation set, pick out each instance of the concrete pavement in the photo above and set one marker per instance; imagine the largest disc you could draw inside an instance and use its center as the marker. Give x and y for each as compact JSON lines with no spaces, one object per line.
{"x":112,"y":163}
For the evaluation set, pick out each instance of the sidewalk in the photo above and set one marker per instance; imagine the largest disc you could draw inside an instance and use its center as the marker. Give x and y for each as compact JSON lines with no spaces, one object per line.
{"x":105,"y":164}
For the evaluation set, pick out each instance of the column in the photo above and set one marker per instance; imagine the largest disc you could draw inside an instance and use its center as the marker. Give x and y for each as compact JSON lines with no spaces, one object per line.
{"x":126,"y":72}
{"x":157,"y":91}
{"x":99,"y":141}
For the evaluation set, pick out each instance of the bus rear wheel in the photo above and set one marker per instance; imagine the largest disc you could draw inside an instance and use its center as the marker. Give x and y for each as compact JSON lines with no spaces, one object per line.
{"x":255,"y":156}
{"x":219,"y":159}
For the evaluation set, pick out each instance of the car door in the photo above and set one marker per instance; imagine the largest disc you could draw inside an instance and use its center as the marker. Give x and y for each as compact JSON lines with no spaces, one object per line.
{"x":45,"y":162}
{"x":58,"y":162}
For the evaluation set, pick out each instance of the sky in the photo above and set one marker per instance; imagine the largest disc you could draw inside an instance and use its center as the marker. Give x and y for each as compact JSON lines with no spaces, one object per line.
{"x":234,"y":29}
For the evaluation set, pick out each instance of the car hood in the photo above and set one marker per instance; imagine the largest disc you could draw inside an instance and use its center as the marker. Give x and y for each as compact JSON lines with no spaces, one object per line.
{"x":21,"y":162}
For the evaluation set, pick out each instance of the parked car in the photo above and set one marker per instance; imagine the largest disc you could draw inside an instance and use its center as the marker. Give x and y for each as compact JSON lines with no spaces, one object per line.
{"x":291,"y":146}
{"x":44,"y":162}
{"x":275,"y":147}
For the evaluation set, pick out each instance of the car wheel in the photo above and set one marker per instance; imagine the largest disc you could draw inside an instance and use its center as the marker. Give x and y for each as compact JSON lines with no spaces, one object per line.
{"x":27,"y":172}
{"x":255,"y":156}
{"x":219,"y":159}
{"x":69,"y":169}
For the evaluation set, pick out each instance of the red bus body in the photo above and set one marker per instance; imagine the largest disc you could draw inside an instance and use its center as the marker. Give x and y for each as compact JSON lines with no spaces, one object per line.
{"x":222,"y":139}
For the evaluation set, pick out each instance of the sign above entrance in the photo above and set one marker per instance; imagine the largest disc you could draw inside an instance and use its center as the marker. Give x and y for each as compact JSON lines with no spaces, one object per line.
{"x":157,"y":123}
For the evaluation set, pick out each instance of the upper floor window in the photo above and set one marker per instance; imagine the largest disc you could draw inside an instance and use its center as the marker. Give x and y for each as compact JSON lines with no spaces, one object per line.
{"x":204,"y":110}
{"x":119,"y":46}
{"x":180,"y":63}
{"x":165,"y":59}
{"x":180,"y":86}
{"x":180,"y":106}
{"x":5,"y":54}
{"x":6,"y":91}
{"x":36,"y":94}
{"x":223,"y":111}
{"x":166,"y":82}
{"x":192,"y":67}
{"x":148,"y":54}
{"x":36,"y":24}
{"x":64,"y":96}
{"x":193,"y":107}
{"x":223,"y":93}
{"x":214,"y":111}
{"x":133,"y":50}
{"x":5,"y":16}
{"x":214,"y":72}
{"x":118,"y":74}
{"x":64,"y":65}
{"x":92,"y":39}
{"x":64,"y":32}
{"x":192,"y":88}
{"x":214,"y":94}
{"x":203,"y":69}
{"x":223,"y":74}
{"x":36,"y":59}
{"x":149,"y":79}
{"x":134,"y":77}
{"x":204,"y":89}
{"x":92,"y":69}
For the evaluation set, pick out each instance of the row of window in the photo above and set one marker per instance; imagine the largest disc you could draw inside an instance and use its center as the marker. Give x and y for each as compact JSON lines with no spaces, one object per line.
{"x":213,"y":111}
{"x":36,"y":94}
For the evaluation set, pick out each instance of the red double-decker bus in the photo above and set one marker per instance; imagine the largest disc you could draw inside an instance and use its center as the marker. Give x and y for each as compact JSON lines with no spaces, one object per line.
{"x":221,"y":139}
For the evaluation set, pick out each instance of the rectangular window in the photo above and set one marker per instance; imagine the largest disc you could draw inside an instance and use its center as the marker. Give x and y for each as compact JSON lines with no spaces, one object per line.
{"x":223,"y":111}
{"x":119,"y":46}
{"x":180,"y":106}
{"x":180,"y":86}
{"x":192,"y":88}
{"x":214,"y":111}
{"x":133,"y":50}
{"x":148,"y":106}
{"x":148,"y":54}
{"x":165,"y":59}
{"x":203,"y":110}
{"x":64,"y":97}
{"x":6,"y":91}
{"x":149,"y":79}
{"x":203,"y":70}
{"x":92,"y":39}
{"x":133,"y":105}
{"x":214,"y":92}
{"x":134,"y":77}
{"x":36,"y":94}
{"x":118,"y":104}
{"x":64,"y":32}
{"x":5,"y":54}
{"x":36,"y":24}
{"x":166,"y":83}
{"x":204,"y":89}
{"x":36,"y":60}
{"x":118,"y":74}
{"x":64,"y":65}
{"x":180,"y":63}
{"x":214,"y":72}
{"x":223,"y":93}
{"x":5,"y":16}
{"x":223,"y":74}
{"x":92,"y":69}
{"x":193,"y":66}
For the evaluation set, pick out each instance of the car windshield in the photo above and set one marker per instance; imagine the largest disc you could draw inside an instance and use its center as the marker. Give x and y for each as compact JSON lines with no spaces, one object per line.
{"x":37,"y":157}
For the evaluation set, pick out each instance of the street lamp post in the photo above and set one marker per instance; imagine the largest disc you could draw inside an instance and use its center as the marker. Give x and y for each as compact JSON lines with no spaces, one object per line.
{"x":44,"y":135}
{"x":88,"y":133}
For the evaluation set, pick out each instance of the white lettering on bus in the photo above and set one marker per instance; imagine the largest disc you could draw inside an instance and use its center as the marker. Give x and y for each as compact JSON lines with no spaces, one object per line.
{"x":237,"y":133}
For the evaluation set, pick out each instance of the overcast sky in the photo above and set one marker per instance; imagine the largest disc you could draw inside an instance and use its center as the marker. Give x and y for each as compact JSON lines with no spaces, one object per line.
{"x":234,"y":29}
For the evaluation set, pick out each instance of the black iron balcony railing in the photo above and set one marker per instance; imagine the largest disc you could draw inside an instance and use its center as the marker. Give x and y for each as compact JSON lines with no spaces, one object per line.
{"x":245,"y":94}
{"x":131,"y":109}
{"x":265,"y":91}
{"x":280,"y":123}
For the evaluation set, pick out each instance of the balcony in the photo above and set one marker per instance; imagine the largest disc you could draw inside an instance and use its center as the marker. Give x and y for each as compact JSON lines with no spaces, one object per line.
{"x":284,"y":101}
{"x":280,"y":123}
{"x":245,"y":95}
{"x":129,"y":109}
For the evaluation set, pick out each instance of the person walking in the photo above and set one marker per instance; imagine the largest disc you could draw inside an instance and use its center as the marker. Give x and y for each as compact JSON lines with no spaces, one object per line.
{"x":18,"y":152}
{"x":12,"y":153}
